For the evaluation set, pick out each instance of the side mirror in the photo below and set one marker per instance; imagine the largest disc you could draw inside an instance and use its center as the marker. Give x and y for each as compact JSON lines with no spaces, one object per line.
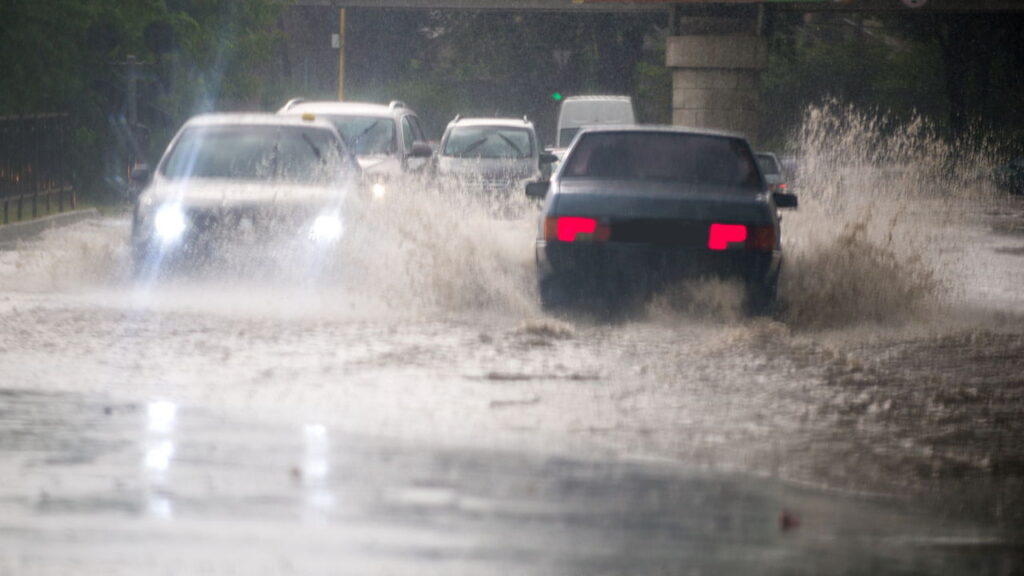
{"x":548,"y":158}
{"x":537,"y":189}
{"x":141,"y":174}
{"x":784,"y":200}
{"x":421,"y":150}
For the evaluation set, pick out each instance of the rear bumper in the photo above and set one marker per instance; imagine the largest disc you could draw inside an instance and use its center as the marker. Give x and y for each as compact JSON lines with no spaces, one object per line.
{"x":648,"y":264}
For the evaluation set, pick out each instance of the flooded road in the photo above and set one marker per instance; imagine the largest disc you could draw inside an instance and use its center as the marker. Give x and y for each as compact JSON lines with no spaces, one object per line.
{"x":418,"y":412}
{"x":111,"y":488}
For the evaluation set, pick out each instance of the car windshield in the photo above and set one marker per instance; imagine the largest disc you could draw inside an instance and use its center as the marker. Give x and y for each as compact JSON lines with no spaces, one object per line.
{"x":690,"y":158}
{"x":489,"y":142}
{"x":283,"y":153}
{"x":367,"y":135}
{"x":768,"y":164}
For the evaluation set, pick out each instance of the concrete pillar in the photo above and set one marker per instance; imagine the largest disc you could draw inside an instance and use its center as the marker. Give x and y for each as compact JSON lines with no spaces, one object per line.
{"x":716,"y":75}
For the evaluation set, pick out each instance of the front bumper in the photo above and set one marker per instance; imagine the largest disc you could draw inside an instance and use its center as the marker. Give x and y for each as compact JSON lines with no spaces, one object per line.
{"x":202,"y":228}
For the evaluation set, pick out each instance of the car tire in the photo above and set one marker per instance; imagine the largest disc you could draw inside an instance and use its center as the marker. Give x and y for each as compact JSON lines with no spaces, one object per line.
{"x":761,"y":298}
{"x":555,"y":294}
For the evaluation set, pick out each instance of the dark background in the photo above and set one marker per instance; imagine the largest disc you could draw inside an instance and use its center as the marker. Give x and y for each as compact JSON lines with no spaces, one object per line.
{"x":959,"y":73}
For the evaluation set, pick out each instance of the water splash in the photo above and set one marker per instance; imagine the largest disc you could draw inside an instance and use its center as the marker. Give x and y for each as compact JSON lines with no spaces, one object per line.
{"x":882,"y":204}
{"x":454,"y":248}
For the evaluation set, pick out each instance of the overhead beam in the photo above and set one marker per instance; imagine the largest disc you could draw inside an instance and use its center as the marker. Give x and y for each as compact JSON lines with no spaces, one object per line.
{"x":908,"y":7}
{"x":665,"y":5}
{"x":503,"y":5}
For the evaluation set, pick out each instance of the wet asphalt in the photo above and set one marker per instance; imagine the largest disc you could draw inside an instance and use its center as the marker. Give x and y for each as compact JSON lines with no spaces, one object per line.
{"x":96,"y":487}
{"x":202,"y":429}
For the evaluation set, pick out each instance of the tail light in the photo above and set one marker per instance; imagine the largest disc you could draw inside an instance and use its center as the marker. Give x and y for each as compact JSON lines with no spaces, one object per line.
{"x":722,"y":235}
{"x":575,"y":229}
{"x":736,"y":236}
{"x":761,"y":239}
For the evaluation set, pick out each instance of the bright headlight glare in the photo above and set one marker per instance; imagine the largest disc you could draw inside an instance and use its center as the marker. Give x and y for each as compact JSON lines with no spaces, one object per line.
{"x":169,"y":222}
{"x":379,"y":190}
{"x":326,"y":228}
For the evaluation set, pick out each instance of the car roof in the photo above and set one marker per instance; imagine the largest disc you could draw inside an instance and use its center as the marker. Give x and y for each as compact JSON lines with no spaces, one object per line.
{"x":657,"y":128}
{"x":597,"y":97}
{"x":503,"y":122}
{"x":254,"y":119}
{"x":345,"y":108}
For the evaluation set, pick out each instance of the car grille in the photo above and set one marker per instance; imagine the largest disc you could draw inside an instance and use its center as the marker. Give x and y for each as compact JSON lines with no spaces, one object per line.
{"x":249,"y":218}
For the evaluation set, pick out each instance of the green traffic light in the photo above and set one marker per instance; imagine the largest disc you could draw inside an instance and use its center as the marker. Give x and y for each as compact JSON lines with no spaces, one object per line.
{"x":557,"y":96}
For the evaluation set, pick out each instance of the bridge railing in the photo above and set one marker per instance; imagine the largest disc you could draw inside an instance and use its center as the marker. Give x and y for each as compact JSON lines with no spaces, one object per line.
{"x":35,"y":167}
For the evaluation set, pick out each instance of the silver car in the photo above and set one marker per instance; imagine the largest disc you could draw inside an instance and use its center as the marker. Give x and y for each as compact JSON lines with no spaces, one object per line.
{"x":632,"y":208}
{"x":493,"y":154}
{"x":387,"y":139}
{"x":771,"y":168}
{"x":230,"y":174}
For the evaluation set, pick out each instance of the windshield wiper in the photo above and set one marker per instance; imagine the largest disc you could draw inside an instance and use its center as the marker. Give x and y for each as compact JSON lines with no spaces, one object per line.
{"x":312,"y":145}
{"x":512,"y":144}
{"x":355,"y":141}
{"x":473,"y":146}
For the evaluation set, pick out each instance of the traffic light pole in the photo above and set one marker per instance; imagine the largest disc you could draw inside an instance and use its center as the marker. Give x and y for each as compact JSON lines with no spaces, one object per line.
{"x":341,"y":55}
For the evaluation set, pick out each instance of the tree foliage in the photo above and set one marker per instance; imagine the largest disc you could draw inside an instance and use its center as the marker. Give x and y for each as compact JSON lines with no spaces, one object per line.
{"x":201,"y":55}
{"x":71,"y":56}
{"x":963,"y":73}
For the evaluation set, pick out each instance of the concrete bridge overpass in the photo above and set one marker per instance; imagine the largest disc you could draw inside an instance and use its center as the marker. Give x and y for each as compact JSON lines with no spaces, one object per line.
{"x":716,"y":50}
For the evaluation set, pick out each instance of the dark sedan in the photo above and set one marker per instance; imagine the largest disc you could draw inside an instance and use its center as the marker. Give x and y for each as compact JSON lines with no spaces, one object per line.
{"x":633,"y":208}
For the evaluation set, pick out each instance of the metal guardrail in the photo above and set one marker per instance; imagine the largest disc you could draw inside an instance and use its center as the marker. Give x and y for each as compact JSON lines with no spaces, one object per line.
{"x":35,"y":168}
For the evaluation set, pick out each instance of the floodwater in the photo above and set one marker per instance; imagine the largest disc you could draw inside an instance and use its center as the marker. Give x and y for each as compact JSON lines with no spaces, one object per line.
{"x":405,"y":405}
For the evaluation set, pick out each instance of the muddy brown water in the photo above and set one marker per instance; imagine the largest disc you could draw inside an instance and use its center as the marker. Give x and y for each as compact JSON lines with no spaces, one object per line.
{"x":887,"y":396}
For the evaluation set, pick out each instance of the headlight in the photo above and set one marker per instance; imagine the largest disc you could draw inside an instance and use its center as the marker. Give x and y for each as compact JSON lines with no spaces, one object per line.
{"x":169,"y":222}
{"x":378,"y":190}
{"x":326,"y":228}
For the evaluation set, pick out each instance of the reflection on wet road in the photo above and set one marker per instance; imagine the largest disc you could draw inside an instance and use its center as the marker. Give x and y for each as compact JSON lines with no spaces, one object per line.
{"x":200,"y":493}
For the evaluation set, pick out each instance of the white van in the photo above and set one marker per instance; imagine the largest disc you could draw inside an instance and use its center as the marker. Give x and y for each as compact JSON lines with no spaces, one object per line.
{"x":580,"y":111}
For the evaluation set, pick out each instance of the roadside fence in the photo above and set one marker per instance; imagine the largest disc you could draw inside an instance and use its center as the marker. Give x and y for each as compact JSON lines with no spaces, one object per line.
{"x":35,"y":168}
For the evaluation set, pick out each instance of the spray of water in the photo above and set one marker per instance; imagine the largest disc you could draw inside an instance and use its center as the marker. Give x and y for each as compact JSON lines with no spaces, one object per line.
{"x":451,"y":248}
{"x":883,"y":207}
{"x":83,"y":256}
{"x":883,"y":204}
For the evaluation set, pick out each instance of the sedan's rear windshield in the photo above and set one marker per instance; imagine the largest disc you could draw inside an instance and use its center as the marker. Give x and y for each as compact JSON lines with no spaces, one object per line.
{"x":666,"y":156}
{"x":293,"y":154}
{"x":488,"y":142}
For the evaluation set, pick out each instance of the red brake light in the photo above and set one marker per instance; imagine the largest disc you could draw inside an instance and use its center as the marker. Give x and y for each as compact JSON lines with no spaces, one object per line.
{"x":568,"y":228}
{"x":721,"y":235}
{"x":575,"y":229}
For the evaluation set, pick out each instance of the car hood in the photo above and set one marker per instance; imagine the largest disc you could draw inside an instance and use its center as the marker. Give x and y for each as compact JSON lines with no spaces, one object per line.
{"x":202,"y":193}
{"x":660,"y":200}
{"x":377,"y":164}
{"x":488,"y":168}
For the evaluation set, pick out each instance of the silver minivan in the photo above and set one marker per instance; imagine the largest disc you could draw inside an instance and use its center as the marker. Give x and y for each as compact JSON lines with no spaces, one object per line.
{"x":492,"y":153}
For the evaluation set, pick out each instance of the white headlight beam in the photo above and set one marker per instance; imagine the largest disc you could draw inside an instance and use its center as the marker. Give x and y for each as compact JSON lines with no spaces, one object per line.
{"x":326,"y":228}
{"x":169,"y":223}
